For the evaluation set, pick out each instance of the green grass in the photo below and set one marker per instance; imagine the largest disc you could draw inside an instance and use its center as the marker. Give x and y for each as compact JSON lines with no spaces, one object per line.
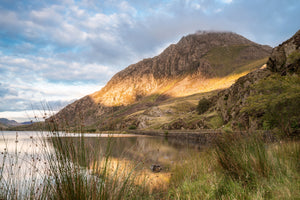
{"x":74,"y":171}
{"x":183,"y":107}
{"x":237,"y":167}
{"x":216,"y":121}
{"x":228,"y":60}
{"x":240,"y":167}
{"x":276,"y":100}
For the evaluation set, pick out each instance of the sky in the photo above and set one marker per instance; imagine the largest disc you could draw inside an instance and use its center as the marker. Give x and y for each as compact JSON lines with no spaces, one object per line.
{"x":53,"y":52}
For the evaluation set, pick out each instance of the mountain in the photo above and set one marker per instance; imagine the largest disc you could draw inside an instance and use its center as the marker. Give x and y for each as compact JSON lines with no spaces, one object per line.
{"x":7,"y":122}
{"x":266,"y":98}
{"x":199,"y":63}
{"x":26,"y":123}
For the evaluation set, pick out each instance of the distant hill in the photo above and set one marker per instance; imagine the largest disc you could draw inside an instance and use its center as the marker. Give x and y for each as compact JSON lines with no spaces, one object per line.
{"x":2,"y":126}
{"x":198,"y":64}
{"x":8,"y":122}
{"x":26,"y":123}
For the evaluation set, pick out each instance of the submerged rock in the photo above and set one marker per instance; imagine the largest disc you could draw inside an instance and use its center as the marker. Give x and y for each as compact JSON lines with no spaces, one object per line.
{"x":156,"y":168}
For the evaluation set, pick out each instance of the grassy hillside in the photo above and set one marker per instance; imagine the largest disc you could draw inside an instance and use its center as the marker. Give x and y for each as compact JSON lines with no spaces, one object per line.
{"x":276,"y":100}
{"x":267,"y":98}
{"x":229,"y":59}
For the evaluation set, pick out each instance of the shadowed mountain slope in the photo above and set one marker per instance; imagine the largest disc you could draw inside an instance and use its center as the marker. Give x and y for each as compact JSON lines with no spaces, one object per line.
{"x":266,"y":98}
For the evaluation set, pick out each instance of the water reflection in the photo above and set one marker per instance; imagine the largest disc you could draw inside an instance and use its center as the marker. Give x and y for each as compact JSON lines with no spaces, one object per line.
{"x":126,"y":152}
{"x":138,"y":148}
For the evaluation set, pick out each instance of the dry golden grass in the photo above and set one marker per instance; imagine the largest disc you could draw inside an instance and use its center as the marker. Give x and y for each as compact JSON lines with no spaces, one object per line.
{"x":141,"y":174}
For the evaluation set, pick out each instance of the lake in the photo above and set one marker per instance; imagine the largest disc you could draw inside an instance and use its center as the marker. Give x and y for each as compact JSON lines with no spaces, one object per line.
{"x":26,"y":154}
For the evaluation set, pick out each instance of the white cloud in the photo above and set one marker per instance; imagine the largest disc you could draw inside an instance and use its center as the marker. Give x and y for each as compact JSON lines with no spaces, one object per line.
{"x":197,"y":6}
{"x":53,"y":69}
{"x":227,"y":1}
{"x":26,"y":82}
{"x":60,"y":50}
{"x":49,"y":16}
{"x":28,"y":115}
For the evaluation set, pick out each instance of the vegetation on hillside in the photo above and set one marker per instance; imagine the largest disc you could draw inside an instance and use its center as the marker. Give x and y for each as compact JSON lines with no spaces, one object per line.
{"x":276,"y":101}
{"x":239,"y":167}
{"x":203,"y":106}
{"x":228,"y":59}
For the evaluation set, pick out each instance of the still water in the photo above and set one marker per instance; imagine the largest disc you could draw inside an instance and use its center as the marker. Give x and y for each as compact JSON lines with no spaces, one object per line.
{"x":23,"y":152}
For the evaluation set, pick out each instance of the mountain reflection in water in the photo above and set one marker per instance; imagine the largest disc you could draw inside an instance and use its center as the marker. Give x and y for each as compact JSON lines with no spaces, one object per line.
{"x":127,"y":152}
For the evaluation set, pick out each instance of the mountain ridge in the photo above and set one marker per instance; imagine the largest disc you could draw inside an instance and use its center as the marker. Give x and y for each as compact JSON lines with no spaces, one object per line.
{"x":7,"y":122}
{"x":187,"y":56}
{"x":197,"y":63}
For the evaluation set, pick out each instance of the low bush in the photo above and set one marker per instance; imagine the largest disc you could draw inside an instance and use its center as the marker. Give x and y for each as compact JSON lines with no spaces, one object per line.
{"x":203,"y":106}
{"x":132,"y":127}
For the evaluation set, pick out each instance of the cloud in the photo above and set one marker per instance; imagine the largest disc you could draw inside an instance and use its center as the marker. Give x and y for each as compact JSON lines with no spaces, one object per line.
{"x":227,"y":1}
{"x":27,"y":115}
{"x":3,"y":91}
{"x":62,"y":50}
{"x":50,"y":69}
{"x":26,"y":82}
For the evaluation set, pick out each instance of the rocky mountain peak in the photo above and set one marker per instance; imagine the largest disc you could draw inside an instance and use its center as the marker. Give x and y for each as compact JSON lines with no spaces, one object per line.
{"x":193,"y":54}
{"x":197,"y":63}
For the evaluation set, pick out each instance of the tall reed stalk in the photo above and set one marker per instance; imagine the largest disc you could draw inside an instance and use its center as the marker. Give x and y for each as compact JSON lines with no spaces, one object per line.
{"x":240,"y":167}
{"x":71,"y":170}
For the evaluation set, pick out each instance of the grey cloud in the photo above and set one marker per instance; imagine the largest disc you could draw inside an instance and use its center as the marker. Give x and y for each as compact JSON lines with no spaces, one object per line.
{"x":67,"y":42}
{"x":15,"y":104}
{"x":136,"y":38}
{"x":32,"y":69}
{"x":50,"y":105}
{"x":19,"y":104}
{"x":5,"y":90}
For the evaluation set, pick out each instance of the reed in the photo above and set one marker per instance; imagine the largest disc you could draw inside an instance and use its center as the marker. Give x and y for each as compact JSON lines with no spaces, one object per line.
{"x":240,"y":167}
{"x":71,"y":171}
{"x":237,"y":167}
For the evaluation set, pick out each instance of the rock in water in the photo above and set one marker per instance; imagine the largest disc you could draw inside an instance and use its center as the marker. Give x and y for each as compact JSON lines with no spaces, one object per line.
{"x":156,"y":168}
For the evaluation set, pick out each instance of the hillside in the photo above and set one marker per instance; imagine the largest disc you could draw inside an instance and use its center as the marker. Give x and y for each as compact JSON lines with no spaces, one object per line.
{"x":2,"y":126}
{"x":7,"y":122}
{"x":265,"y":98}
{"x":169,"y":84}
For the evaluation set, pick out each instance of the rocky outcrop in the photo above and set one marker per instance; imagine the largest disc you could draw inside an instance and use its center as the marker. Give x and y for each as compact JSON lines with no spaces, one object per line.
{"x":229,"y":102}
{"x":285,"y":59}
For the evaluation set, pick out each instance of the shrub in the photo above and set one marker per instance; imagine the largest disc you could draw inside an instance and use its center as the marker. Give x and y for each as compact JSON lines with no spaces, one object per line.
{"x":132,"y":127}
{"x":166,"y":133}
{"x":203,"y":106}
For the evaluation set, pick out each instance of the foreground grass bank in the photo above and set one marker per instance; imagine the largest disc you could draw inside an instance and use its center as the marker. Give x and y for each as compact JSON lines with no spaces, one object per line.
{"x":237,"y":167}
{"x":56,"y":167}
{"x":240,"y":167}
